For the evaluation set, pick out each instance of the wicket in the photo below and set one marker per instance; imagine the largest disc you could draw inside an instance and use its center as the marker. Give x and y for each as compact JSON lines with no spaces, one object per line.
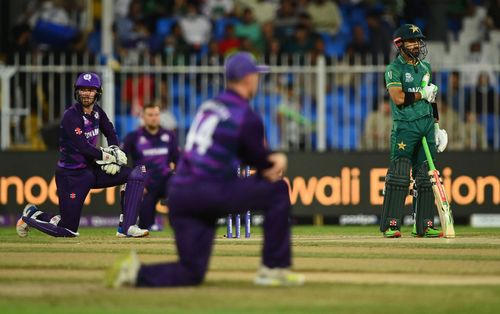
{"x":237,"y":222}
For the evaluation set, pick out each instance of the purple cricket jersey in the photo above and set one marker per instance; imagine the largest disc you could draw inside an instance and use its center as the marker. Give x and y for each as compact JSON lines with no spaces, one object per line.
{"x":225,"y":132}
{"x":155,"y":151}
{"x":79,"y":133}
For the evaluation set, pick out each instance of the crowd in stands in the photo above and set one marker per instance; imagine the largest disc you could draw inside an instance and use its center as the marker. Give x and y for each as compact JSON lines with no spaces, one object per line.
{"x":354,"y":31}
{"x":264,"y":27}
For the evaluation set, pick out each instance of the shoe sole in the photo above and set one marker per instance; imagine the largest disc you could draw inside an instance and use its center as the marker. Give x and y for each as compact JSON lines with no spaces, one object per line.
{"x":122,"y":235}
{"x":395,"y":235}
{"x":22,"y":228}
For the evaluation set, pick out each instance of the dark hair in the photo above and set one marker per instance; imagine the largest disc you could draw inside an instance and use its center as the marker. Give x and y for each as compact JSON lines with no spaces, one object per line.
{"x":151,"y":105}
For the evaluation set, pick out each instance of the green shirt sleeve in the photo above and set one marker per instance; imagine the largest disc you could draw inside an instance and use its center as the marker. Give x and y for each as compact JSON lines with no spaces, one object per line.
{"x":392,"y":77}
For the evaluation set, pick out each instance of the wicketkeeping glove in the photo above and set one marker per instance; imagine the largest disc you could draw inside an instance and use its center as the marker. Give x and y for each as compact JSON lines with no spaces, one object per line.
{"x":120,"y":156}
{"x":441,"y":138}
{"x":111,"y":169}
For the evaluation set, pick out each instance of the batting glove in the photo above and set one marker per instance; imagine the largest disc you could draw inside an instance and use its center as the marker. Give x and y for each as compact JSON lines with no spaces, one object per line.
{"x":441,"y":138}
{"x":429,"y":92}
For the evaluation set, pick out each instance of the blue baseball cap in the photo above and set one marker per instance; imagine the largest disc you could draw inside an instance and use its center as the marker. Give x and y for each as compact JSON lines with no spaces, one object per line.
{"x":241,"y":64}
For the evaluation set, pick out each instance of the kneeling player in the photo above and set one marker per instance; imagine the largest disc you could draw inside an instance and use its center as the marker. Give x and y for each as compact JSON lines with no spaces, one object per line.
{"x":83,"y":166}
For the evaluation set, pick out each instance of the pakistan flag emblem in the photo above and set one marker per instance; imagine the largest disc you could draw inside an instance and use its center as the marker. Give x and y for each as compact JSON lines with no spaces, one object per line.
{"x":408,"y":77}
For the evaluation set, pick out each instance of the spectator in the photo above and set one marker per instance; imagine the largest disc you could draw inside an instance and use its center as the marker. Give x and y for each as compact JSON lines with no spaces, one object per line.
{"x":450,"y":121}
{"x":475,"y":134}
{"x":249,"y":28}
{"x":137,"y":91}
{"x":455,"y":95}
{"x":378,"y":127}
{"x":285,"y":19}
{"x":301,"y":43}
{"x":380,"y":37}
{"x":196,"y":28}
{"x":358,"y":49}
{"x":265,"y":8}
{"x":294,"y":126}
{"x":131,"y":29}
{"x":229,"y":43}
{"x":167,"y":119}
{"x":325,"y":15}
{"x":482,"y":101}
{"x":216,"y":9}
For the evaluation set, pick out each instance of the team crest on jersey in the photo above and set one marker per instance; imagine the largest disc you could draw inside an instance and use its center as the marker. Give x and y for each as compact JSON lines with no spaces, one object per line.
{"x":96,"y":114}
{"x":142,"y":140}
{"x":408,"y":77}
{"x":165,"y":138}
{"x":78,"y":131}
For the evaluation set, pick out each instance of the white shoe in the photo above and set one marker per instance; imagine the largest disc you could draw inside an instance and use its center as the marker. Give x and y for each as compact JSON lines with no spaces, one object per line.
{"x":22,"y":228}
{"x":278,"y":277}
{"x":123,"y":272}
{"x":133,"y":231}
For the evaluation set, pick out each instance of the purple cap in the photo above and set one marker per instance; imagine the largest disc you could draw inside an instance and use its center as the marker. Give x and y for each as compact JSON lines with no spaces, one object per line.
{"x":241,"y":64}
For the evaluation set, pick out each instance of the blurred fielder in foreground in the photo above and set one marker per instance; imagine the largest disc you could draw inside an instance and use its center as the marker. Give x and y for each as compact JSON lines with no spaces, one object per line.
{"x":83,"y":166}
{"x":225,"y":132}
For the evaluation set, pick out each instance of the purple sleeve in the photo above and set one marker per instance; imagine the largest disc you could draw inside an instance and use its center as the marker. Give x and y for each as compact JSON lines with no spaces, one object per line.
{"x":252,"y":150}
{"x":128,"y":143}
{"x":73,"y":126}
{"x":174,"y":156}
{"x":107,"y":128}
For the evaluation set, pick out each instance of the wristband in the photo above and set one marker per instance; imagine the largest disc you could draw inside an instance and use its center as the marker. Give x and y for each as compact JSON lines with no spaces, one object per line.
{"x":409,"y":98}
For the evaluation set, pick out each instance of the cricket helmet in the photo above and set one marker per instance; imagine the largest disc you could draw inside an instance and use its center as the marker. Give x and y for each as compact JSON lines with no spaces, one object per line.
{"x":89,"y":80}
{"x":406,"y":32}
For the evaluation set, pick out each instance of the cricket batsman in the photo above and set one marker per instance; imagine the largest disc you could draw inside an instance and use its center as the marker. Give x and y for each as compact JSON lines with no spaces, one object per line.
{"x":414,"y":115}
{"x":83,"y":166}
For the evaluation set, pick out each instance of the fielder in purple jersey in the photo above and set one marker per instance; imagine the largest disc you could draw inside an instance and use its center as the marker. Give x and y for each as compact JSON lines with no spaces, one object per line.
{"x":225,"y":132}
{"x":157,"y":149}
{"x":83,"y":166}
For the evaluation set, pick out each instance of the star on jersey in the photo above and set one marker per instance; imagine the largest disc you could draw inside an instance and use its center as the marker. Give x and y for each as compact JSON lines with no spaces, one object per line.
{"x":401,"y":146}
{"x":414,"y":29}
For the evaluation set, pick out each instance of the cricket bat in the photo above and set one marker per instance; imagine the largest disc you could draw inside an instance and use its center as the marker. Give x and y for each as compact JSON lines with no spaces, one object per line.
{"x":443,"y":206}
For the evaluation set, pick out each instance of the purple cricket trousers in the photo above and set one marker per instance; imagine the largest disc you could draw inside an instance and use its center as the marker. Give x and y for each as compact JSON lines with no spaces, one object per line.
{"x":193,"y":211}
{"x":73,"y":187}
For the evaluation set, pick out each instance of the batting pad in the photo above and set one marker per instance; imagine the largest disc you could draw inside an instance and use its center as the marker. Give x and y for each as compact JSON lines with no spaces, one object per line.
{"x":133,"y":197}
{"x":425,"y":201}
{"x":396,"y":189}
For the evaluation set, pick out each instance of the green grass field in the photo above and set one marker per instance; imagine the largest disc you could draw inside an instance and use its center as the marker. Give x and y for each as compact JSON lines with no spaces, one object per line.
{"x":348,"y":270}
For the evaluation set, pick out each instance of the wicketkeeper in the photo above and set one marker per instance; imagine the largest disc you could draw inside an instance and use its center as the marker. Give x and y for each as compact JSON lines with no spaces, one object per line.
{"x":83,"y":166}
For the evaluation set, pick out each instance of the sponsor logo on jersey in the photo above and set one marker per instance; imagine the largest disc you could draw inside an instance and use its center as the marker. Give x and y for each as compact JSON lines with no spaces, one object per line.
{"x":72,"y":195}
{"x":155,"y":151}
{"x":92,"y":133}
{"x":78,"y":131}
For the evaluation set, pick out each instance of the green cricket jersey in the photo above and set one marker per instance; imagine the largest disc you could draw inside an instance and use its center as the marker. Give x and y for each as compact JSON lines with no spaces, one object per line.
{"x":409,"y":77}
